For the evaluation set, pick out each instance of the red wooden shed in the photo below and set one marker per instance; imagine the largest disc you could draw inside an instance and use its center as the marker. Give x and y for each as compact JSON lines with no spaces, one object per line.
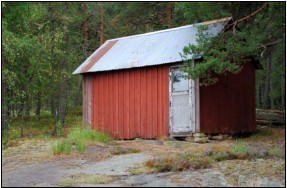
{"x":132,"y":88}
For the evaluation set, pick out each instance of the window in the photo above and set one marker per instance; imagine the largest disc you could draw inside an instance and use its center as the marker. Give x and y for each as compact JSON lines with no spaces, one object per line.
{"x":179,"y":81}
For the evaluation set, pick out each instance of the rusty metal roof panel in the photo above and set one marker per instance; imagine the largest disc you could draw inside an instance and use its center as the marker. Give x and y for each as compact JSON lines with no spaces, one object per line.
{"x":148,"y":49}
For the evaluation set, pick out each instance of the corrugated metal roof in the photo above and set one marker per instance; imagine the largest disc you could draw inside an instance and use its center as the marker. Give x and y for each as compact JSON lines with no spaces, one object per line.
{"x":155,"y":48}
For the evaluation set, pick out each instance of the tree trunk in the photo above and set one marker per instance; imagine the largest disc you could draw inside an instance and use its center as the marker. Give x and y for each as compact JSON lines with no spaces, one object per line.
{"x":85,"y":29}
{"x":63,"y":100}
{"x":257,"y":95}
{"x":77,"y":101}
{"x":27,"y":106}
{"x":38,"y":100}
{"x":64,"y":77}
{"x":266,"y":100}
{"x":168,"y":14}
{"x":4,"y":124}
{"x":283,"y":94}
{"x":102,"y":24}
{"x":53,"y":105}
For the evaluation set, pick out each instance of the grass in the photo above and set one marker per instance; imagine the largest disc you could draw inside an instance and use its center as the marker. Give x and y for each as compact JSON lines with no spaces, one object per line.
{"x":276,"y":152}
{"x":189,"y":161}
{"x":39,"y":128}
{"x":239,"y":149}
{"x":81,"y":138}
{"x":62,"y":147}
{"x":86,"y":178}
{"x":88,"y":135}
{"x":81,"y":147}
{"x":120,"y":150}
{"x":178,"y":163}
{"x":43,"y":127}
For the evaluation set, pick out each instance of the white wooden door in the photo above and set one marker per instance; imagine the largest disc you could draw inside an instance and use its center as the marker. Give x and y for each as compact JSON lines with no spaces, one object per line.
{"x":182,"y":104}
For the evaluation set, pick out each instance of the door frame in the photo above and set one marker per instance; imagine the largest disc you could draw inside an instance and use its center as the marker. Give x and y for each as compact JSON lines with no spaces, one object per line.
{"x":192,"y":104}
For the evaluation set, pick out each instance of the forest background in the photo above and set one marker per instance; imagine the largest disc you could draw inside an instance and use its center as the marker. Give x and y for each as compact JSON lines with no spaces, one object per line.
{"x":44,"y":42}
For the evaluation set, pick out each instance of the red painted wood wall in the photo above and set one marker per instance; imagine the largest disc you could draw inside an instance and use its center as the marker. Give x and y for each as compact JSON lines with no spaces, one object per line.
{"x":130,"y":103}
{"x":229,"y":105}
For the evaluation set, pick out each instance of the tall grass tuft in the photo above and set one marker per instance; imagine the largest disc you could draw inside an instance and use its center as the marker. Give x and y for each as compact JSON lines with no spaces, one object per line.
{"x":62,"y":147}
{"x":81,"y":147}
{"x":87,"y":135}
{"x":239,"y":149}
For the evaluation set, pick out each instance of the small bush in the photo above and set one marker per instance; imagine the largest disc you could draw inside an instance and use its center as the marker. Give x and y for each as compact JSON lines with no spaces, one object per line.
{"x":9,"y":138}
{"x":149,"y":163}
{"x":220,"y":156}
{"x":179,"y":163}
{"x":164,"y":165}
{"x":59,"y":129}
{"x":200,"y":163}
{"x":81,"y":147}
{"x":240,"y":148}
{"x":120,"y":150}
{"x":62,"y":147}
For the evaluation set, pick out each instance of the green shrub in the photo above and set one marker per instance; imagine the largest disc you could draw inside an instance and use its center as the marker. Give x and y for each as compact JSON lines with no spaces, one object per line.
{"x":62,"y":147}
{"x":220,"y":156}
{"x":81,"y":147}
{"x":59,"y":129}
{"x":164,"y":165}
{"x":239,"y":149}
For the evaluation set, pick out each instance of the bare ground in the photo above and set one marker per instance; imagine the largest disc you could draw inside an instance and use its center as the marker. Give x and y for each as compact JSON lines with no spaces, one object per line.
{"x":32,"y":163}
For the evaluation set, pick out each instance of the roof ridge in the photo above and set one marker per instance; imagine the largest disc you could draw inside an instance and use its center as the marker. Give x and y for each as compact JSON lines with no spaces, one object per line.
{"x":175,"y":28}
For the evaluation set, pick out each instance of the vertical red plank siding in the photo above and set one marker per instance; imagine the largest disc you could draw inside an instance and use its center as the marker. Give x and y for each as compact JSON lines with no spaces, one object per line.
{"x":143,"y":102}
{"x":85,"y":100}
{"x":121,"y":130}
{"x":154,"y":104}
{"x":126,"y":99}
{"x":116,"y":109}
{"x":137,"y":111}
{"x":101,"y":102}
{"x":132,"y":103}
{"x":160,"y":106}
{"x":149,"y":103}
{"x":229,"y":105}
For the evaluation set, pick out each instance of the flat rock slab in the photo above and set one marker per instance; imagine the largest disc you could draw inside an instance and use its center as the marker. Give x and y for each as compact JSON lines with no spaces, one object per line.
{"x":116,"y":166}
{"x":36,"y":175}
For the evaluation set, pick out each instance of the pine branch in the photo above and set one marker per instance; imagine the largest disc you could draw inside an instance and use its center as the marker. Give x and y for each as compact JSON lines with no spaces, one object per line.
{"x":266,"y":45}
{"x":247,"y":17}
